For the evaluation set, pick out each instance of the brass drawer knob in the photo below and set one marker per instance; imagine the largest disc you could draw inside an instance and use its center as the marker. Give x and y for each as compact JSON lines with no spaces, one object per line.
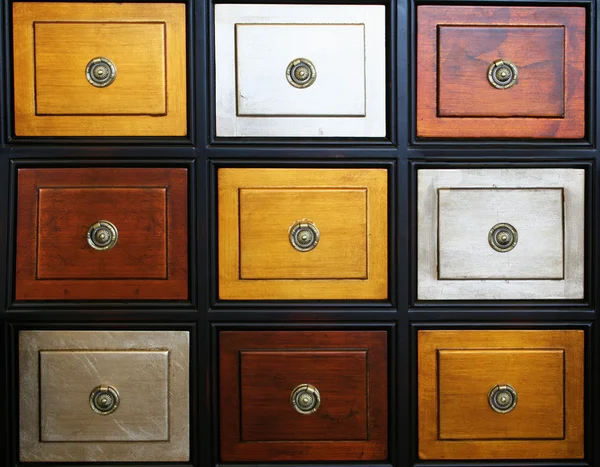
{"x":502,"y":398}
{"x":304,"y":235}
{"x":503,"y":237}
{"x":101,"y":72}
{"x":102,"y":235}
{"x":301,"y":73}
{"x":502,"y":74}
{"x":104,"y":400}
{"x":306,"y":399}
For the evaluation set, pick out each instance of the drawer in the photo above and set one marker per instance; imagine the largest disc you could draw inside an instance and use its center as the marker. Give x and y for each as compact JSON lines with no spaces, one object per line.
{"x":302,"y":233}
{"x":300,"y":70}
{"x":104,"y":396}
{"x":501,"y":234}
{"x":501,"y":394}
{"x":102,"y":233}
{"x":94,"y":69}
{"x":303,"y":396}
{"x":500,"y":72}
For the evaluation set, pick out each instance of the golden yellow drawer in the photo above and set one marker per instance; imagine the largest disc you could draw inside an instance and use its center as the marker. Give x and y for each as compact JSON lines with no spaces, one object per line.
{"x":302,"y":234}
{"x":99,"y":69}
{"x":501,"y":394}
{"x":104,"y":396}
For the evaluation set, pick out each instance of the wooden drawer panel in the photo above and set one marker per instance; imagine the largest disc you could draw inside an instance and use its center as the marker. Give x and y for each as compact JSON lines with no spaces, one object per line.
{"x":54,"y":60}
{"x":258,"y":212}
{"x":56,"y":211}
{"x":88,"y":396}
{"x":540,"y":414}
{"x":456,"y":50}
{"x":259,"y":373}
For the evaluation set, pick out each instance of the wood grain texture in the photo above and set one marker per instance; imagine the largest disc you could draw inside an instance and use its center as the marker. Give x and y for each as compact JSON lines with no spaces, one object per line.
{"x":147,"y":42}
{"x":456,"y":369}
{"x":455,"y":46}
{"x":56,"y":208}
{"x":258,"y":206}
{"x":348,"y":368}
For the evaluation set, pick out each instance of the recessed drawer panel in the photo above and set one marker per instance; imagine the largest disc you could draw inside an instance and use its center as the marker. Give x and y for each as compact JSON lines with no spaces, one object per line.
{"x":305,"y":396}
{"x":99,"y":69}
{"x":500,"y":72}
{"x":500,"y":234}
{"x":102,"y":234}
{"x":302,"y":233}
{"x":300,"y":70}
{"x":90,"y":396}
{"x":500,"y":394}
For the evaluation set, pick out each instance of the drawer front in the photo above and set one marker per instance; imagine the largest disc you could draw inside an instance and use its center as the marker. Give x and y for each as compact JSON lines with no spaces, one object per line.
{"x":323,"y":73}
{"x":106,"y":85}
{"x":102,"y":234}
{"x":302,"y":233}
{"x":513,"y":72}
{"x":104,"y":396}
{"x":500,"y":234}
{"x":303,"y":395}
{"x":500,"y":394}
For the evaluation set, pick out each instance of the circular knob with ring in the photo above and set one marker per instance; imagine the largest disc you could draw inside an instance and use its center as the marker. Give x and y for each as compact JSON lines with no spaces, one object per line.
{"x":304,"y":235}
{"x":301,"y":73}
{"x":104,"y":400}
{"x":102,"y":235}
{"x":502,"y":74}
{"x":305,"y":399}
{"x":502,"y":398}
{"x":503,"y":237}
{"x":101,"y":72}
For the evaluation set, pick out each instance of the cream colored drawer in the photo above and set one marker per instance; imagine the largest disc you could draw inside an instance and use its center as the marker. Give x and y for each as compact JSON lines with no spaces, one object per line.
{"x":104,"y":396}
{"x":500,"y":234}
{"x":291,"y":70}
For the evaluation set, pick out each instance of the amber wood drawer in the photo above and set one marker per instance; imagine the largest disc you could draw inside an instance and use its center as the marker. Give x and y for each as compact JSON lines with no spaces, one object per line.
{"x":500,"y":72}
{"x":340,"y":214}
{"x":501,"y":234}
{"x":99,"y":69}
{"x":337,"y":380}
{"x":102,"y":233}
{"x":501,"y":394}
{"x":104,"y":396}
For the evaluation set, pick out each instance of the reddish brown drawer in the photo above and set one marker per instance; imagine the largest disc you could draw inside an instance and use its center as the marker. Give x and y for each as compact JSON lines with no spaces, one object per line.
{"x":506,"y":72}
{"x":303,"y":396}
{"x":102,"y":233}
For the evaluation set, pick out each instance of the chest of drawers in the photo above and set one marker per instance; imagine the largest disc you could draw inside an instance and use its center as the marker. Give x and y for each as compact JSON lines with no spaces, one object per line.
{"x":311,"y":234}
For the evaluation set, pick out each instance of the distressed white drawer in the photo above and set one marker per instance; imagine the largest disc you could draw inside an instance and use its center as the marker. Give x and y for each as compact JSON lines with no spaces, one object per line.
{"x":500,"y":234}
{"x":292,"y":70}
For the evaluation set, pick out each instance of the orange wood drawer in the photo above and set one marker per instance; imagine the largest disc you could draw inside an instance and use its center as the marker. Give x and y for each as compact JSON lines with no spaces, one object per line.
{"x":63,"y":254}
{"x":62,"y":90}
{"x":464,"y":84}
{"x":501,"y":394}
{"x":340,"y":213}
{"x":264,"y":373}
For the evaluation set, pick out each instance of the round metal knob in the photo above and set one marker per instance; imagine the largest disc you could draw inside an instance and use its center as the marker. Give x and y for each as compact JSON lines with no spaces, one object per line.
{"x":301,"y":73}
{"x":502,"y":74}
{"x":104,"y":400}
{"x":304,"y":235}
{"x":102,"y":235}
{"x":503,"y":237}
{"x":101,"y":72}
{"x":502,"y":398}
{"x":305,"y":399}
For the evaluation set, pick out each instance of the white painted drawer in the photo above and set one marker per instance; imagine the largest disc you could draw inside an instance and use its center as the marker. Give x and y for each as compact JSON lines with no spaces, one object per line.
{"x":339,"y":48}
{"x":500,"y":234}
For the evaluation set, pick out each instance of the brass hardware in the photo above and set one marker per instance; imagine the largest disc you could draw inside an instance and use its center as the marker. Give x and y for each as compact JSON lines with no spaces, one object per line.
{"x":304,"y":235}
{"x":305,"y":399}
{"x":101,"y":72}
{"x":502,"y":74}
{"x":502,"y":398}
{"x":503,"y":237}
{"x":102,"y":235}
{"x":104,"y":400}
{"x":301,"y":73}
